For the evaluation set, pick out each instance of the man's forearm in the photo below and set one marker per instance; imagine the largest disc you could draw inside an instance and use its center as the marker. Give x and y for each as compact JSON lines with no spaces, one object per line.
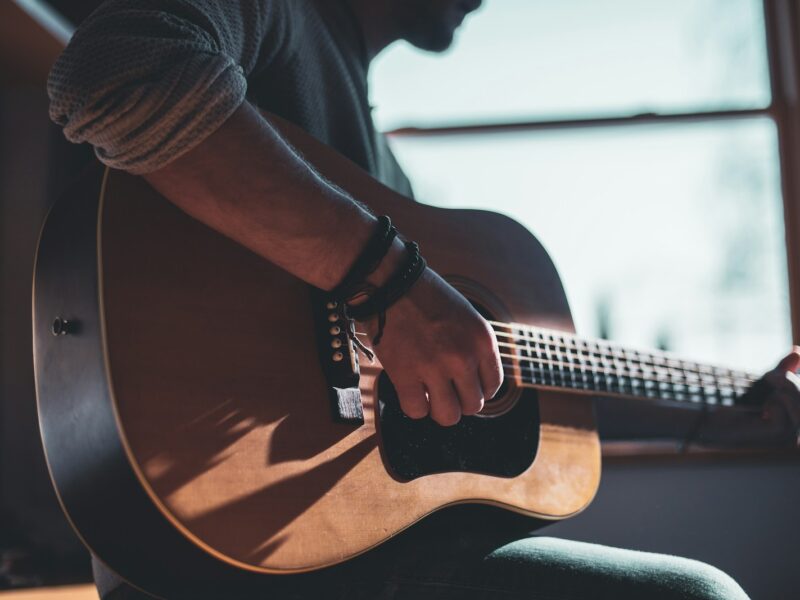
{"x":248,"y":183}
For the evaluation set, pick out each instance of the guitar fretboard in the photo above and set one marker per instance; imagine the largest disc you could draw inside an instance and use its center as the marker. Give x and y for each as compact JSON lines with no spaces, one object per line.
{"x":547,"y":358}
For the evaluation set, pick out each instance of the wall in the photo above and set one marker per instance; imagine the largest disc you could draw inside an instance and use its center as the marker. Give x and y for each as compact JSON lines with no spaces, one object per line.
{"x":738,"y":515}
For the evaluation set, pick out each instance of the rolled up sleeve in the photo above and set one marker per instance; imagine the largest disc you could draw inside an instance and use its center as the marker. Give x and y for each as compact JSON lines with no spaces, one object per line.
{"x":147,"y":81}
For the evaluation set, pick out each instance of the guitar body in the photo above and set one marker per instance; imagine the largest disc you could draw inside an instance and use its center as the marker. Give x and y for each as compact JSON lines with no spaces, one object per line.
{"x":186,"y":418}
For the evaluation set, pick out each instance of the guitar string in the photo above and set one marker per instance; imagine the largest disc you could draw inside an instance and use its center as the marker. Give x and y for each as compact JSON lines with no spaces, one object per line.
{"x":724,"y":396}
{"x":570,"y":382}
{"x":607,"y":372}
{"x":691,"y":378}
{"x":654,"y":394}
{"x":631,"y":368}
{"x":529,"y":333}
{"x":576,"y":380}
{"x":606,"y":351}
{"x":568,"y":340}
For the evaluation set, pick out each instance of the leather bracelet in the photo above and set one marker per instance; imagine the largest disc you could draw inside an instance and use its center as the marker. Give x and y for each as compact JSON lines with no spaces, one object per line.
{"x":381,"y":299}
{"x":371,"y":256}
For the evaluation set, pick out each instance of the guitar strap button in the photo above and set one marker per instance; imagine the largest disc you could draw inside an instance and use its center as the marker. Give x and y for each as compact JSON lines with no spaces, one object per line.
{"x":60,"y":327}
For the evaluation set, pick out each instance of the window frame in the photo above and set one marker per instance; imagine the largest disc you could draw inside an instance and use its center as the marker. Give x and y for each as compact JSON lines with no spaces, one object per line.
{"x":782,"y":19}
{"x":782,"y":30}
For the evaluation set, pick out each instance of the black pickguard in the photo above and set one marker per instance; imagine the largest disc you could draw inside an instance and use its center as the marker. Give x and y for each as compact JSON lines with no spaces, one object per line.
{"x":504,"y":445}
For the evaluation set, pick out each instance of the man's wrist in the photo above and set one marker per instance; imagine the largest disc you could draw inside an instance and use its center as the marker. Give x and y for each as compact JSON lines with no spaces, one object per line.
{"x":389,"y":265}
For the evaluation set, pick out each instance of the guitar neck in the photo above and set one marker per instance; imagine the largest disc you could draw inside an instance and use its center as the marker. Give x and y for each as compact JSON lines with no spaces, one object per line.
{"x":549,"y":359}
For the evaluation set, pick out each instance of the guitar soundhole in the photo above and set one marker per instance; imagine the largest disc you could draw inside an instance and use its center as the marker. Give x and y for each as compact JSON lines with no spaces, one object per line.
{"x":504,"y":445}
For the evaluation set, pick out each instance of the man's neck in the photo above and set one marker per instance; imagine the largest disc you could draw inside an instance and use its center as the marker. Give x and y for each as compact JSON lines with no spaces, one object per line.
{"x":376,"y":24}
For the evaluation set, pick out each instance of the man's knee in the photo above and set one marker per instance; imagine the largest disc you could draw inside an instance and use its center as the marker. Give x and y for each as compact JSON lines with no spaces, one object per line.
{"x":566,"y":567}
{"x":695,"y":580}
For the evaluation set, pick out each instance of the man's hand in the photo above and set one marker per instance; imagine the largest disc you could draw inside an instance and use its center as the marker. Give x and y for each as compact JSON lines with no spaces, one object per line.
{"x":779,"y":392}
{"x":440,"y":354}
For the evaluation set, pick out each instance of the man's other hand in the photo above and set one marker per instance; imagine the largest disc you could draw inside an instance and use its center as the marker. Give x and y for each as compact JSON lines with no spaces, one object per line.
{"x":779,"y":392}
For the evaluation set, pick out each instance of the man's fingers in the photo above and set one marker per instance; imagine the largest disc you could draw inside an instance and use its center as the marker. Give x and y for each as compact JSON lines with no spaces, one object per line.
{"x":785,"y":393}
{"x":490,"y":371}
{"x":413,"y":400}
{"x":445,"y":407}
{"x":794,"y":380}
{"x":791,"y":362}
{"x":470,"y":394}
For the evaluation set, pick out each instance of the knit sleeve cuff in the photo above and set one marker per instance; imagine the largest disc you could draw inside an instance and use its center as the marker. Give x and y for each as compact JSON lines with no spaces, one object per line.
{"x":141,"y":128}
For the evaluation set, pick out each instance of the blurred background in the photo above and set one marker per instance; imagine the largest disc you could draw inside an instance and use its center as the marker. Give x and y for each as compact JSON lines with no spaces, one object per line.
{"x":653,"y":147}
{"x":667,"y":232}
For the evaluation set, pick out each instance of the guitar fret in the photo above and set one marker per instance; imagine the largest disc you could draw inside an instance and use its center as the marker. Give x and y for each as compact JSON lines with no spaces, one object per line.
{"x":540,"y":351}
{"x":582,"y":349}
{"x":573,"y":359}
{"x":558,"y":368}
{"x":568,"y":372}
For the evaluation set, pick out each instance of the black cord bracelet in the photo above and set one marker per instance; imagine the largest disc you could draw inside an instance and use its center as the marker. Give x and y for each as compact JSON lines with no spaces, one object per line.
{"x":381,"y":299}
{"x":371,"y":256}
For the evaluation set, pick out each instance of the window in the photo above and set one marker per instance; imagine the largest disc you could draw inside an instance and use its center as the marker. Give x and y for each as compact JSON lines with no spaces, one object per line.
{"x":635,"y":139}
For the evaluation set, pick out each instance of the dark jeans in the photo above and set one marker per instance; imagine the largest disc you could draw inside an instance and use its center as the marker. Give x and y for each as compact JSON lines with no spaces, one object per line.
{"x":482,"y":562}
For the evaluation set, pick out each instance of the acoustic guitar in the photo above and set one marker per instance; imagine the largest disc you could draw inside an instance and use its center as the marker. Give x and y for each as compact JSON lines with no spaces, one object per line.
{"x":204,"y":412}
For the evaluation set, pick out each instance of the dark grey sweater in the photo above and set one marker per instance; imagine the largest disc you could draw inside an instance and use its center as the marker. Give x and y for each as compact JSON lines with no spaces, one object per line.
{"x":145,"y":81}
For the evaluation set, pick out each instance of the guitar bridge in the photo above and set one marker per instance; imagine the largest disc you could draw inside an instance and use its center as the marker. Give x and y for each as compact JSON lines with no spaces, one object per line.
{"x":338,"y":358}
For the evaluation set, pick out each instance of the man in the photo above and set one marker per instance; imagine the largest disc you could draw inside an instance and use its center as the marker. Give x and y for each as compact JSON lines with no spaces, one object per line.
{"x":171,"y":90}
